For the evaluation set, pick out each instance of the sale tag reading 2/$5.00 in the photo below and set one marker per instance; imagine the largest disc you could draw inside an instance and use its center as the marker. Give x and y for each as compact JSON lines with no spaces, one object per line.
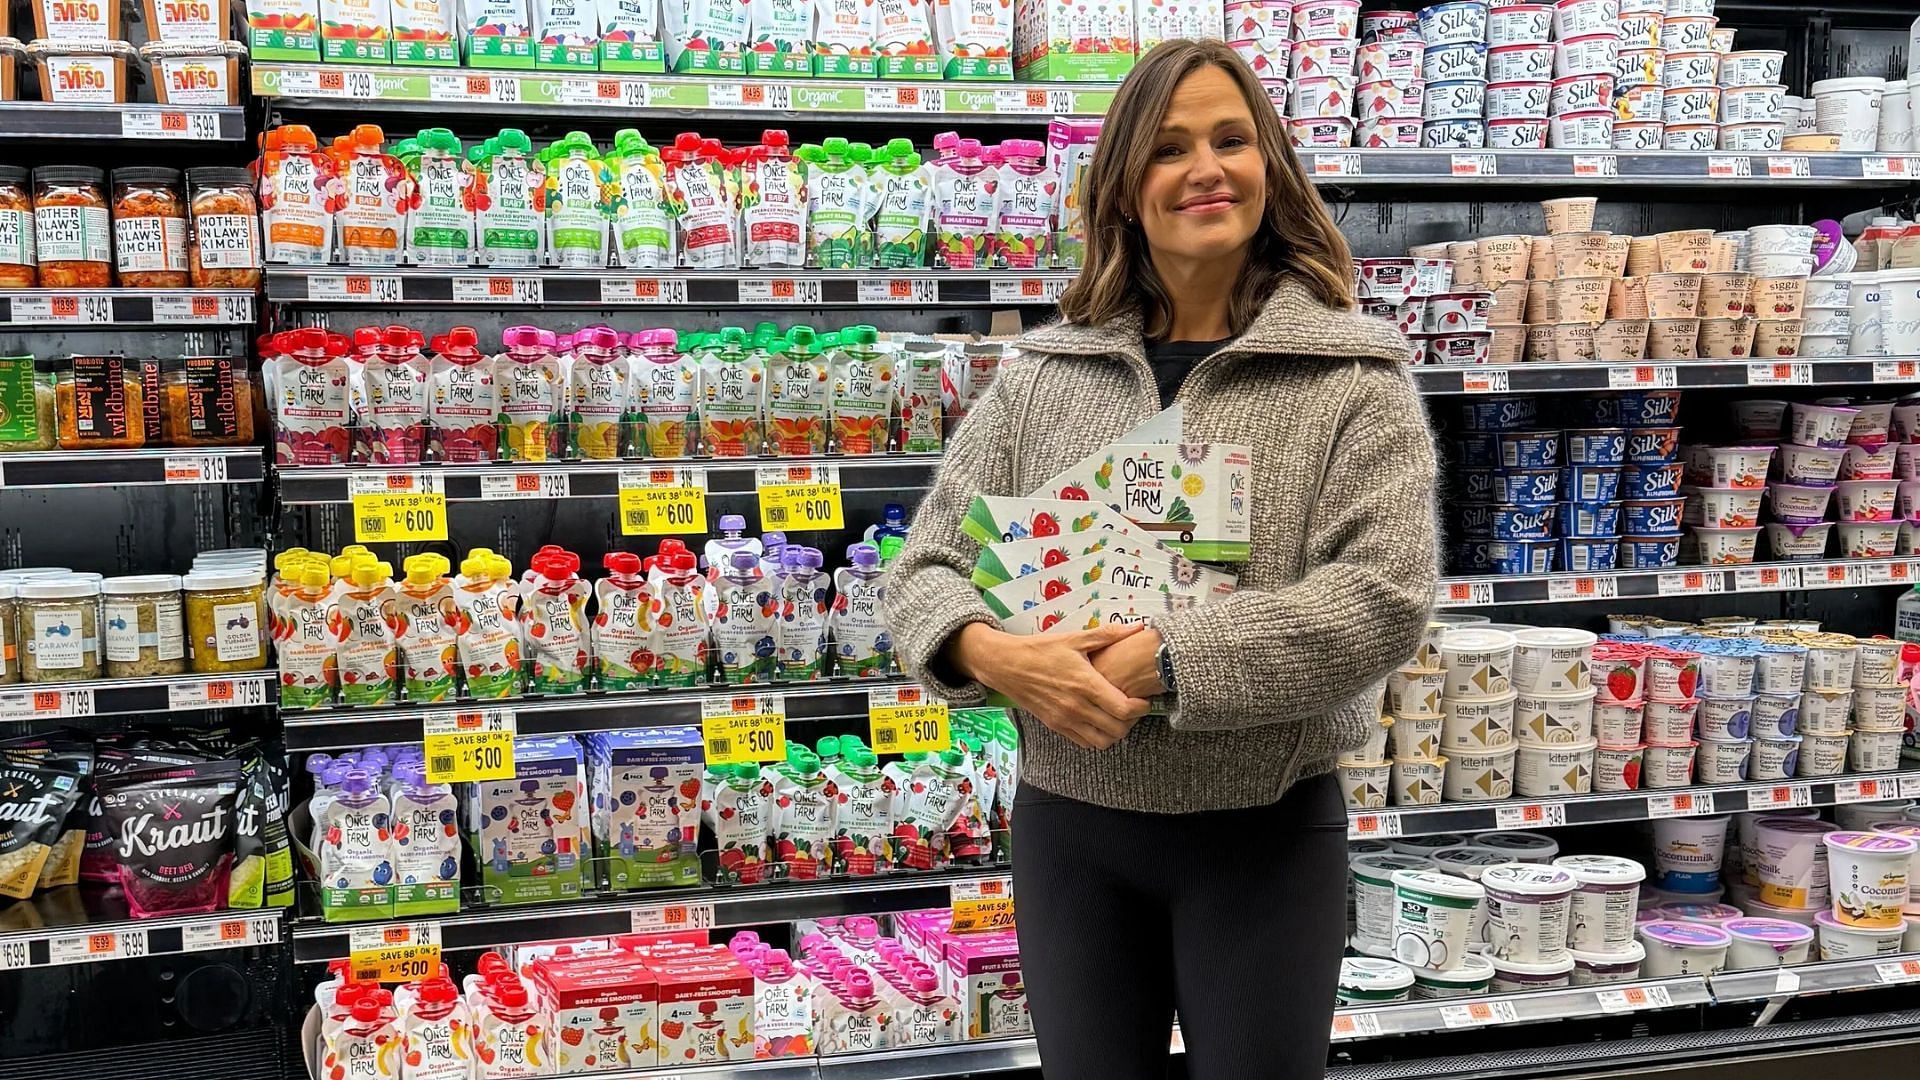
{"x":468,"y":746}
{"x":406,"y":952}
{"x":744,"y":730}
{"x":981,"y":906}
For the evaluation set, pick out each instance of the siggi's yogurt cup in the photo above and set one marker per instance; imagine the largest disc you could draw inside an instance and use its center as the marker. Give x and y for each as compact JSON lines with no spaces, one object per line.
{"x":1601,"y":908}
{"x":1477,"y":776}
{"x":1623,"y":965}
{"x":1803,"y":464}
{"x":1434,"y":917}
{"x":1822,"y":755}
{"x":1868,"y":878}
{"x":1479,"y":663}
{"x":1512,"y":975}
{"x":1418,"y":739}
{"x":1591,"y":54}
{"x":1527,"y":906}
{"x":1841,"y":941}
{"x":1470,"y":979}
{"x":1874,"y":751}
{"x":1774,"y":757}
{"x":1510,"y":100}
{"x":1477,"y":724}
{"x":1683,"y":948}
{"x":1617,"y":768}
{"x":1541,"y":771}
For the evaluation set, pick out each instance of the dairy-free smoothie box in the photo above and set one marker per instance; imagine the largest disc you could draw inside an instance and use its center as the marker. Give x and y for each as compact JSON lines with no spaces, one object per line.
{"x":526,"y":831}
{"x":646,"y":806}
{"x":983,"y":975}
{"x":1068,"y":41}
{"x":1109,"y":574}
{"x":602,"y":1011}
{"x":1070,"y":145}
{"x":993,"y":518}
{"x":1193,"y":496}
{"x":356,"y":32}
{"x":283,"y":30}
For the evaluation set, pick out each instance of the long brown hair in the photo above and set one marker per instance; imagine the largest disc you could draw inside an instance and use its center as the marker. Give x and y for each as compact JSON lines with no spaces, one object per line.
{"x":1296,"y":233}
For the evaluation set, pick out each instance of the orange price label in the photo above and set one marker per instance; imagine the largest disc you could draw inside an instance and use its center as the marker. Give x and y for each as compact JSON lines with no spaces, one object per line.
{"x":233,"y":930}
{"x":102,"y":943}
{"x":173,"y":121}
{"x":1036,"y":99}
{"x":359,"y":285}
{"x":46,"y":701}
{"x":479,"y":86}
{"x":206,"y":307}
{"x":66,"y":307}
{"x":646,"y":288}
{"x":332,"y":82}
{"x":753,"y":94}
{"x":782,"y":288}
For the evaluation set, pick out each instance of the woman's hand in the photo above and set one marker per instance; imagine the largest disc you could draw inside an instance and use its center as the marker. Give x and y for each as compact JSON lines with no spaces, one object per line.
{"x":1132,"y":664}
{"x":1053,"y":677}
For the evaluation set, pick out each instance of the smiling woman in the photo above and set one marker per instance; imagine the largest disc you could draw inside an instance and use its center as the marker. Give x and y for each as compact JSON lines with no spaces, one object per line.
{"x":1204,"y":830}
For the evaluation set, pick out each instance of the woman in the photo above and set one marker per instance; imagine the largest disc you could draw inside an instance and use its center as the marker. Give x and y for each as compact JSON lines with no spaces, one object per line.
{"x":1193,"y":858}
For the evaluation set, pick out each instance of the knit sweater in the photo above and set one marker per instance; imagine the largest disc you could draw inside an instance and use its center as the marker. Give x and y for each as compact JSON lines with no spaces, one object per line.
{"x":1279,"y":678}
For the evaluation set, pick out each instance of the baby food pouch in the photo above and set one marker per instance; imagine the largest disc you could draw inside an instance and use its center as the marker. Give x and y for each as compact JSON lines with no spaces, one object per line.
{"x":440,"y":220}
{"x":703,"y":199}
{"x":804,"y":804}
{"x":801,"y":634}
{"x":369,"y":657}
{"x":436,"y":1031}
{"x":553,"y":615}
{"x":426,"y":843}
{"x":580,"y":188}
{"x":509,"y":1034}
{"x":599,"y":394}
{"x":925,"y":808}
{"x":736,"y":813}
{"x":963,"y":200}
{"x":527,"y":378}
{"x":864,"y":391}
{"x":1025,"y":207}
{"x":464,"y":405}
{"x":837,"y":203}
{"x":489,"y":638}
{"x":664,"y":384}
{"x":717,"y":556}
{"x":425,"y":611}
{"x":861,"y":644}
{"x":743,"y":621}
{"x":863,"y":816}
{"x":512,"y":211}
{"x":797,"y":397}
{"x":299,"y":194}
{"x":630,"y":36}
{"x":499,"y":34}
{"x":921,"y":362}
{"x":566,"y":34}
{"x":970,"y":841}
{"x":705,"y":36}
{"x":393,"y":430}
{"x":355,"y":852}
{"x":620,"y":629}
{"x":307,"y":635}
{"x":773,"y":200}
{"x":678,"y":615}
{"x":778,"y":35}
{"x":310,"y":407}
{"x":843,"y":38}
{"x":377,"y":191}
{"x":643,"y":234}
{"x":853,"y":1019}
{"x":905,"y":200}
{"x":974,"y":38}
{"x":733,"y":385}
{"x":903,"y":40}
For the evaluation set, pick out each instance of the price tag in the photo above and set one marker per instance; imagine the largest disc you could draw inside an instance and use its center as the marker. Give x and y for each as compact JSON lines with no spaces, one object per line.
{"x":1020,"y":100}
{"x":1729,"y":167}
{"x":1490,"y":381}
{"x":526,"y":485}
{"x":1896,"y":370}
{"x":1669,"y":806}
{"x":1529,"y":816}
{"x":725,"y":95}
{"x":1881,"y":573}
{"x":1336,"y":164}
{"x":1634,"y":998}
{"x":468,"y":746}
{"x":1889,"y":168}
{"x":203,"y":308}
{"x":631,"y":93}
{"x":1356,"y":1026}
{"x":1766,"y":578}
{"x":104,"y":945}
{"x":170,"y":124}
{"x":355,"y":288}
{"x":1788,"y":168}
{"x":63,"y":308}
{"x":1853,"y":791}
{"x":1364,"y":826}
{"x":1910,"y":786}
{"x":646,"y":290}
{"x":216,"y":694}
{"x":1475,"y":165}
{"x":1786,"y":982}
{"x":1604,"y":587}
{"x":1691,"y":583}
{"x":884,"y":98}
{"x":1592,"y":166}
{"x":1769,"y":798}
{"x":745,"y":729}
{"x":667,"y":918}
{"x":14,"y":955}
{"x":1465,"y":594}
{"x":45,"y":704}
{"x":1478,"y":1014}
{"x":801,"y":497}
{"x":1835,"y":576}
{"x":659,"y":502}
{"x":450,"y":87}
{"x":1026,"y":290}
{"x":1898,"y":971}
{"x":195,"y":468}
{"x":499,"y":290}
{"x":982,"y":905}
{"x":907,"y":719}
{"x":398,"y":506}
{"x":394,"y":952}
{"x":1660,"y":376}
{"x":1783,"y":374}
{"x":755,"y":290}
{"x":919,"y":290}
{"x":230,"y":933}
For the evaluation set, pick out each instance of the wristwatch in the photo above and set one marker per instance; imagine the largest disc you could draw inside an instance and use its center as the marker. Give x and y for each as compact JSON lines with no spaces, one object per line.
{"x":1163,"y":657}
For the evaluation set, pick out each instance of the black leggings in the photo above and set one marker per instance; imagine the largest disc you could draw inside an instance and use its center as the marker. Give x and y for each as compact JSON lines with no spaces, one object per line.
{"x":1236,"y":918}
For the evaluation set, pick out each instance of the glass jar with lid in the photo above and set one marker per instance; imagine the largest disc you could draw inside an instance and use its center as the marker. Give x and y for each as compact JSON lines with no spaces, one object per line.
{"x":58,"y":619}
{"x":27,"y":411}
{"x":209,"y":401}
{"x":149,"y":228}
{"x":224,"y":243}
{"x":17,"y":263}
{"x":226,"y":619}
{"x":101,"y":402}
{"x":9,"y":639}
{"x":72,"y":234}
{"x":144,"y":630}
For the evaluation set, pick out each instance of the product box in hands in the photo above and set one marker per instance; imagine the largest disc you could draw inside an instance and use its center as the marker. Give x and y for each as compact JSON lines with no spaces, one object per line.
{"x":283,"y":30}
{"x":527,"y":832}
{"x":424,"y":32}
{"x":1191,"y":495}
{"x":356,"y":32}
{"x":1069,"y":154}
{"x":1075,"y":611}
{"x":630,"y":36}
{"x":646,"y":806}
{"x":1068,"y":41}
{"x":1110,"y":575}
{"x":499,"y":34}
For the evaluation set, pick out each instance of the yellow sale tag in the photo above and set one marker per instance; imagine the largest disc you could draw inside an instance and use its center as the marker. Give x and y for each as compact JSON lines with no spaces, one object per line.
{"x":800,"y":497}
{"x":469,"y":746}
{"x":744,"y":730}
{"x":656,"y":502}
{"x":386,"y":518}
{"x":907,"y":719}
{"x":981,"y":906}
{"x":402,"y":952}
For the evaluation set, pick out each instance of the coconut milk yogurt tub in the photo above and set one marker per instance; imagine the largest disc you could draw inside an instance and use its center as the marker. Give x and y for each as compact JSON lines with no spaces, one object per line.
{"x":1868,"y":878}
{"x":1683,"y":948}
{"x":1590,"y":968}
{"x":1367,"y":980}
{"x":1765,"y":943}
{"x":1471,"y":978}
{"x":1426,"y":845}
{"x":1528,"y":847}
{"x":1433,"y":920}
{"x":1600,"y":914}
{"x":1527,"y":906}
{"x":1373,"y":901}
{"x":1839,"y":941}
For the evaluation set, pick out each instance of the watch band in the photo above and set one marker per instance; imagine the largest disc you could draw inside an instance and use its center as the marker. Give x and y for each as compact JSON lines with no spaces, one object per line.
{"x":1163,"y":658}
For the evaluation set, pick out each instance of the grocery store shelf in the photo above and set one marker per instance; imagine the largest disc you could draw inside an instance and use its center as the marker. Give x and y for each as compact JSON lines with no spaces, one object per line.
{"x":118,"y":468}
{"x":83,"y":924}
{"x":1768,"y":577}
{"x":337,"y":728}
{"x":1664,"y":374}
{"x":141,"y":123}
{"x":1620,"y":168}
{"x":104,"y":697}
{"x":315,"y":941}
{"x":106,"y":308}
{"x":1833,"y":976}
{"x":479,"y":286}
{"x":1603,"y":807}
{"x":932,"y":1062}
{"x":1448,"y":1014}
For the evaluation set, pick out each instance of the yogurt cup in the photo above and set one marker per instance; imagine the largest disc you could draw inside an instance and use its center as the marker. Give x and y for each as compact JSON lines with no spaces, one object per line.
{"x":1687,"y":851}
{"x":1872,"y":423}
{"x":1672,"y":675}
{"x":1617,"y":768}
{"x":1508,"y":99}
{"x":1637,"y":67}
{"x":1326,"y":19}
{"x":1591,"y":968}
{"x":1821,"y":426}
{"x":1552,"y":660}
{"x":1766,"y":943}
{"x":1478,"y":662}
{"x":1800,"y":464}
{"x":1911,"y":830}
{"x":1866,"y":500}
{"x":1322,"y":58}
{"x":1868,"y":878}
{"x":1363,"y":784}
{"x":1651,"y":482}
{"x":1519,"y":24}
{"x":1874,"y":751}
{"x":1878,"y":708}
{"x":1775,"y":339}
{"x":1726,"y":547}
{"x":1825,"y":712}
{"x":1906,"y":461}
{"x":1618,"y":723}
{"x":1752,"y":67}
{"x":1667,"y":766}
{"x":1588,"y":54}
{"x":1527,"y":911}
{"x":1572,"y":18}
{"x":1746,"y":104}
{"x":1515,"y":975}
{"x":1687,"y":32}
{"x":1648,"y":552}
{"x":1877,"y":663}
{"x":1775,"y":715}
{"x":1798,"y":540}
{"x":1669,"y":723}
{"x":1849,"y":108}
{"x":1477,"y":724}
{"x":1477,"y":776}
{"x":1601,"y":908}
{"x":1690,"y":137}
{"x":1683,"y":948}
{"x":1863,"y":816}
{"x":1760,"y":420}
{"x":1565,"y":769}
{"x":1389,"y":98}
{"x":1330,"y":97}
{"x":1721,"y":761}
{"x":1711,"y":912}
{"x":1598,"y":521}
{"x":1822,"y":755}
{"x":1789,"y":861}
{"x":1778,"y":298}
{"x":1842,"y":941}
{"x":1373,"y":898}
{"x":1828,"y":292}
{"x":1463,"y":97}
{"x":1415,"y":692}
{"x":1448,"y":63}
{"x":1640,"y":30}
{"x":1434,"y":917}
{"x":1694,"y":67}
{"x":1470,"y":979}
{"x":1454,"y":22}
{"x":1367,"y":980}
{"x":1581,"y":93}
{"x":1763,"y":136}
{"x":1418,"y":781}
{"x":1723,"y":508}
{"x":1517,"y":846}
{"x":1831,"y":662}
{"x":1418,"y":738}
{"x":1335,"y":131}
{"x":1397,"y":59}
{"x":1875,"y":540}
{"x":1817,"y":346}
{"x":1426,"y":845}
{"x":1650,"y":135}
{"x":1639,"y":105}
{"x":1725,"y":718}
{"x":1870,"y":463}
{"x":1774,"y":757}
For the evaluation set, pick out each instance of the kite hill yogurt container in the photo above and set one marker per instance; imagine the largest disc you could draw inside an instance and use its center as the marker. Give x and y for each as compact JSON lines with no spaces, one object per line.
{"x":1433,"y":918}
{"x":1527,"y":906}
{"x":1600,"y":914}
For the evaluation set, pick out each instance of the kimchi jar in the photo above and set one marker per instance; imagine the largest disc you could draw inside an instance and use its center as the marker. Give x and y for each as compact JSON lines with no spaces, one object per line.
{"x":100,"y":404}
{"x":16,"y":230}
{"x":149,"y":228}
{"x":71,"y":227}
{"x":209,"y":401}
{"x":224,"y":246}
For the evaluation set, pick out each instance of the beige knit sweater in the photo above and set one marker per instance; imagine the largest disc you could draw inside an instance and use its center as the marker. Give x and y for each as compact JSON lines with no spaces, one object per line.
{"x":1279,"y":678}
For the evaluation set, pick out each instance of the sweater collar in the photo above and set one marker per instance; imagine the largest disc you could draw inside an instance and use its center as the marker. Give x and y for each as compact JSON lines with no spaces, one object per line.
{"x":1292,"y":323}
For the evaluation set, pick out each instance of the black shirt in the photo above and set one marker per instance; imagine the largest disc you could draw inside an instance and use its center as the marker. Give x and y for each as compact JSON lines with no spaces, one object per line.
{"x":1171,"y":360}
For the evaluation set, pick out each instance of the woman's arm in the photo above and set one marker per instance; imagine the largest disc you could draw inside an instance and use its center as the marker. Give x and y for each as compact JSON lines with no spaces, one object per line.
{"x":1263,"y":656}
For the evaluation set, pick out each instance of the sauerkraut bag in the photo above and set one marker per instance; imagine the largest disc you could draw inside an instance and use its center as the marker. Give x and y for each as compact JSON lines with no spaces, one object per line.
{"x":174,"y":830}
{"x":35,"y":798}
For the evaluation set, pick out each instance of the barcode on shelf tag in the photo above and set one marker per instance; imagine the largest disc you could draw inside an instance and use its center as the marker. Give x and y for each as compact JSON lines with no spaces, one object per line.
{"x":1779,"y":795}
{"x":1688,"y":805}
{"x":1634,"y":998}
{"x":1529,"y":815}
{"x":1898,"y":971}
{"x":1602,"y":587}
{"x":1595,"y":165}
{"x":1788,"y":168}
{"x":986,"y":888}
{"x":724,"y":94}
{"x":1464,"y":593}
{"x":526,"y":485}
{"x":1896,"y":371}
{"x":758,"y":290}
{"x":1336,"y":164}
{"x":665,"y":918}
{"x":32,"y":704}
{"x":1475,"y":165}
{"x":103,"y":945}
{"x":1478,"y":1014}
{"x":913,"y":290}
{"x":194,"y":468}
{"x":1026,"y":290}
{"x":230,"y":933}
{"x":499,"y":290}
{"x":1836,"y":575}
{"x":445,"y":86}
{"x":1881,"y":573}
{"x":1910,"y":787}
{"x":643,"y":290}
{"x":1780,"y":374}
{"x":1853,"y":791}
{"x":170,"y":124}
{"x":356,"y":288}
{"x":1629,"y":376}
{"x":1691,"y":583}
{"x":1766,"y":578}
{"x":1356,"y":1026}
{"x":1490,"y":381}
{"x":203,"y":307}
{"x":64,"y":308}
{"x":1364,"y":826}
{"x":217,"y":694}
{"x":1722,"y":167}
